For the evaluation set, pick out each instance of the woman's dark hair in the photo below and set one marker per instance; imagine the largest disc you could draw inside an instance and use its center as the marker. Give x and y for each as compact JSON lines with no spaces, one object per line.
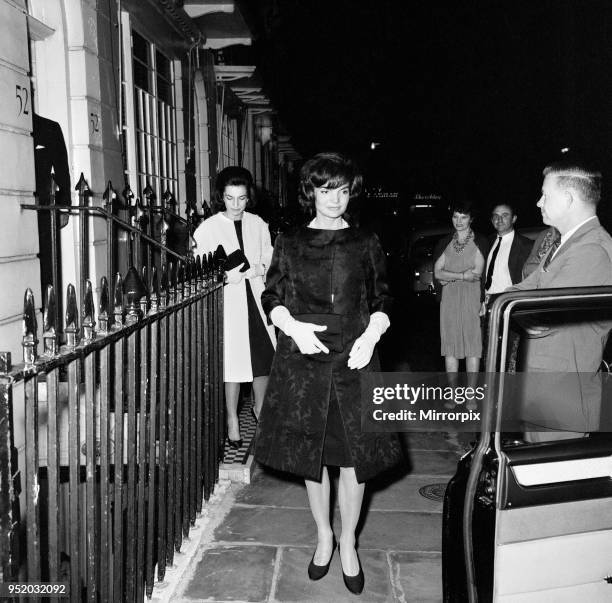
{"x":462,"y":206}
{"x":328,"y":169}
{"x":233,"y":176}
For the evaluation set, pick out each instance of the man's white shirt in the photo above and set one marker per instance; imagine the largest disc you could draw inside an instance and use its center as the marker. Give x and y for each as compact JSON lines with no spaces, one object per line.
{"x":501,"y":274}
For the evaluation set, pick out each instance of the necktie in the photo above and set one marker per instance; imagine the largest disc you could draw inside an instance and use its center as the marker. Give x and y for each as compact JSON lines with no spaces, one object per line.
{"x":492,"y":264}
{"x":553,"y":248}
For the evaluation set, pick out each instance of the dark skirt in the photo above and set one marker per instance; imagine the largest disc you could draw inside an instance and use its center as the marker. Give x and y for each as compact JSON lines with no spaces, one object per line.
{"x":262,"y":350}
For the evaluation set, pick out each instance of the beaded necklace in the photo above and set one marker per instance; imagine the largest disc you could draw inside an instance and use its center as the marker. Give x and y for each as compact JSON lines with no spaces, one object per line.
{"x":459,"y":247}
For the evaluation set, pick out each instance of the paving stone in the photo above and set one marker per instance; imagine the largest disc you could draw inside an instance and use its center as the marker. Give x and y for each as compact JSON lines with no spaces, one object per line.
{"x":274,"y":489}
{"x":417,"y":576}
{"x":233,"y":573}
{"x":402,"y":495}
{"x":294,"y":585}
{"x":395,"y":530}
{"x":433,"y":462}
{"x":401,"y":531}
{"x":267,"y":525}
{"x":431,"y":440}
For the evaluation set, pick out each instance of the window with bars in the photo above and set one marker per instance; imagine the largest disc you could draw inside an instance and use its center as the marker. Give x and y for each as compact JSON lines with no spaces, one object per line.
{"x":155,"y":118}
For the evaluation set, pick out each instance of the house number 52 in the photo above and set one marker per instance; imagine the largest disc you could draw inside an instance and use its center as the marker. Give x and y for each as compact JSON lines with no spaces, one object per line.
{"x":22,"y":95}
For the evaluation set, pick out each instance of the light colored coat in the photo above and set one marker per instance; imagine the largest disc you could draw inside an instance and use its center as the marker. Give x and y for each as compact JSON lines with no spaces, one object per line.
{"x":219,"y":230}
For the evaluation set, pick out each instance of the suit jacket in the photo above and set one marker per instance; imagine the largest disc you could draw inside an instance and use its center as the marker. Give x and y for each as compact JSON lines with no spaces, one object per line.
{"x":519,"y":252}
{"x":584,"y":260}
{"x":540,"y":247}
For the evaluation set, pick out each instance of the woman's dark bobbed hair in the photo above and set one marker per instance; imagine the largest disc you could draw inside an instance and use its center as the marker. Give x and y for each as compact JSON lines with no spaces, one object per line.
{"x":328,"y":169}
{"x":463,"y":206}
{"x":233,"y":176}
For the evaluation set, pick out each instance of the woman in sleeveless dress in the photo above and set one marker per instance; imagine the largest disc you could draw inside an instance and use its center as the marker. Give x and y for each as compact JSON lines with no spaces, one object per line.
{"x":458,"y":267}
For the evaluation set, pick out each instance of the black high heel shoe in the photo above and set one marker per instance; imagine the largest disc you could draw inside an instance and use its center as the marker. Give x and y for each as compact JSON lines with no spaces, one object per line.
{"x":356,"y":583}
{"x":316,"y":572}
{"x":234,"y":444}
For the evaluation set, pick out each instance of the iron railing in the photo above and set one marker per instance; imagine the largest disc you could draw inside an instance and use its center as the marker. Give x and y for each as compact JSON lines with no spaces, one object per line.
{"x":146,"y":228}
{"x":110,"y":443}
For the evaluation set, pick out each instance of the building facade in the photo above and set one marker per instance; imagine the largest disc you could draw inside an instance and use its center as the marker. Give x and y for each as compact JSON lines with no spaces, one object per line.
{"x":154,"y":96}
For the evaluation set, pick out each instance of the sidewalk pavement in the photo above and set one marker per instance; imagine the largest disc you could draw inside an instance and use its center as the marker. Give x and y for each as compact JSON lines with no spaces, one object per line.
{"x":261,"y":548}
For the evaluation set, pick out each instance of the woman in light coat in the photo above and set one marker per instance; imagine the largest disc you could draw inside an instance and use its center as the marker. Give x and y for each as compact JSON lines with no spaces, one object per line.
{"x":247,"y":339}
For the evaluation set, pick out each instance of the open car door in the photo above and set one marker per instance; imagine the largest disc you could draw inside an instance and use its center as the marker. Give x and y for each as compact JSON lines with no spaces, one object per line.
{"x":528,"y":516}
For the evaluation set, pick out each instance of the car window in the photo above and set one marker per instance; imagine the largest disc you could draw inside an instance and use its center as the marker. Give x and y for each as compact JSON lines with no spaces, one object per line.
{"x":556,"y":385}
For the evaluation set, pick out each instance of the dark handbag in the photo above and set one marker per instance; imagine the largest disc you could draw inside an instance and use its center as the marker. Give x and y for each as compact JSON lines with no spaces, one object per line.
{"x":236,"y":258}
{"x":332,"y":336}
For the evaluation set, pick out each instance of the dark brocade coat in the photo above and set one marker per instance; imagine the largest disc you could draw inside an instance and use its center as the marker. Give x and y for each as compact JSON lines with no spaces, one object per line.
{"x":322,"y":271}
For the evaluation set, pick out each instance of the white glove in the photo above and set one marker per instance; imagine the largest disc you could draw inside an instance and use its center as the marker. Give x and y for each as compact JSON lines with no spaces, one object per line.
{"x":303,"y":333}
{"x":234,"y":276}
{"x":255,"y":271}
{"x":363,"y":348}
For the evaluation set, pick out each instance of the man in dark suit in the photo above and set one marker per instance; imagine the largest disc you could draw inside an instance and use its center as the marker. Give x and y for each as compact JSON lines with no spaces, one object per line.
{"x":509,"y":251}
{"x":504,"y":263}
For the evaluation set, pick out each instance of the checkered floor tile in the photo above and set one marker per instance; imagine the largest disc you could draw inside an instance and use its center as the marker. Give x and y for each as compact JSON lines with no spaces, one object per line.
{"x":247,"y":432}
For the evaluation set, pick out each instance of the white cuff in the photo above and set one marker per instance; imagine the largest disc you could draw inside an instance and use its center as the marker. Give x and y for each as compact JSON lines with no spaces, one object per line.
{"x":280,"y":318}
{"x":379,"y":323}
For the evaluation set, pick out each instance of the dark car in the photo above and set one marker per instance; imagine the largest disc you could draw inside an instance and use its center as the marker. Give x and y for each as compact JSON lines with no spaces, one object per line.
{"x":528,"y":514}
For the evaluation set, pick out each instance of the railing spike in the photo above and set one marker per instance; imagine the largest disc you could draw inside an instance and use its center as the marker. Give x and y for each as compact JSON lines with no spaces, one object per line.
{"x":53,"y":188}
{"x":198,"y":271}
{"x":149,"y":195}
{"x":166,"y":197}
{"x":219,"y":259}
{"x":193,"y":274}
{"x":138,"y":213}
{"x":172,"y":282}
{"x":211,"y":267}
{"x":133,"y":290}
{"x":89,"y":313}
{"x":109,"y":195}
{"x":205,"y":268}
{"x":118,"y":302}
{"x":128,"y":195}
{"x":29,"y":342}
{"x":82,"y":187}
{"x":180,"y":279}
{"x":163,"y":288}
{"x":72,"y":318}
{"x":154,"y":291}
{"x":169,"y":200}
{"x":49,"y":326}
{"x":144,"y":300}
{"x":187,"y":277}
{"x":103,"y":307}
{"x":49,"y":310}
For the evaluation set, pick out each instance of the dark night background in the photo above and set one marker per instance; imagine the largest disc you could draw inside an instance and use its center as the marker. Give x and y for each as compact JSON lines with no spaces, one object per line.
{"x":466,"y":98}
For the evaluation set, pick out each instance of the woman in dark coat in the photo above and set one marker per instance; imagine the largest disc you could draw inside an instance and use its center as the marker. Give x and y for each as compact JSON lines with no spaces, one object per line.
{"x":326,"y":290}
